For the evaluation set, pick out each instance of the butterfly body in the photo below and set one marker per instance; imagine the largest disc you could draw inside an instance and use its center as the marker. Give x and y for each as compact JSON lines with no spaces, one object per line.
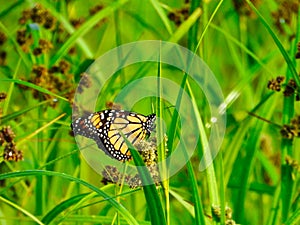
{"x":105,"y":128}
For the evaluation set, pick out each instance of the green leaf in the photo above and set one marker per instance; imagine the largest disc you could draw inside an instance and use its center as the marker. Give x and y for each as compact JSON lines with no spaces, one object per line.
{"x":294,"y":219}
{"x":153,"y":201}
{"x":69,"y":28}
{"x":36,"y":87}
{"x":118,"y":206}
{"x":160,"y":11}
{"x":287,"y":58}
{"x":185,"y":26}
{"x":21,"y":210}
{"x":87,"y":26}
{"x":18,"y":113}
{"x":52,"y":214}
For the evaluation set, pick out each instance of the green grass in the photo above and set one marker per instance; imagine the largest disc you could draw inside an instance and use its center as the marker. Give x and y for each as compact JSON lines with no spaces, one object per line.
{"x":255,"y":174}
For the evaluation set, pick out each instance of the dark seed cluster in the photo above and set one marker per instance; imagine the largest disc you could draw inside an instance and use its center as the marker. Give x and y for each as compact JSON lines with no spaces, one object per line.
{"x":216,"y":214}
{"x":178,"y":16}
{"x":290,"y":89}
{"x":3,"y":38}
{"x":244,"y":9}
{"x":148,"y":151}
{"x":44,"y":47}
{"x":24,"y":39}
{"x":3,"y":96}
{"x":7,"y":134}
{"x":113,"y":105}
{"x":297,"y":56}
{"x":56,"y":79}
{"x":293,"y":163}
{"x":3,"y":53}
{"x":39,"y":15}
{"x":112,"y":175}
{"x":287,"y":10}
{"x":7,"y":140}
{"x":77,"y":22}
{"x":96,"y":9}
{"x":133,"y":182}
{"x":275,"y":84}
{"x":43,"y":18}
{"x":85,"y":82}
{"x":63,"y":67}
{"x":289,"y":131}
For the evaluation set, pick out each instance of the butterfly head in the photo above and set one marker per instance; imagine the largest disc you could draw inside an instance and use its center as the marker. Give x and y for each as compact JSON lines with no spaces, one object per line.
{"x":150,"y":124}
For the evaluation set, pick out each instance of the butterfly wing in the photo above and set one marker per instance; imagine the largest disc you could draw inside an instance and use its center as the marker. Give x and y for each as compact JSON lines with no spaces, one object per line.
{"x":105,"y":128}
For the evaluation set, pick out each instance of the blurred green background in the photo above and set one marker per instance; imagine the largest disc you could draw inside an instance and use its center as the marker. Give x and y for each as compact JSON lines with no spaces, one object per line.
{"x":252,"y":47}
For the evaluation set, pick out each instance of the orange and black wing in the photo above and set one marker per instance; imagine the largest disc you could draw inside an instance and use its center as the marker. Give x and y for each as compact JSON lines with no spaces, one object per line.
{"x":105,"y":128}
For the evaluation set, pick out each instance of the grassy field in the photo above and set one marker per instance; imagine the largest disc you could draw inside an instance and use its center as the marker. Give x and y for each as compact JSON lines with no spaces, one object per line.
{"x":252,"y":49}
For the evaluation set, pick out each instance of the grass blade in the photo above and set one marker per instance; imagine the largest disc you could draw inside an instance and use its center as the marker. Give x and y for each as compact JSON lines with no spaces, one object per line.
{"x":210,"y":173}
{"x":287,"y":58}
{"x":10,"y":8}
{"x":162,"y":15}
{"x":120,"y":208}
{"x":36,"y":87}
{"x":85,"y":28}
{"x":150,"y":192}
{"x":199,"y":215}
{"x":69,"y":28}
{"x":161,"y":148}
{"x":18,"y":113}
{"x":41,"y":128}
{"x":21,"y":210}
{"x":294,"y":219}
{"x":193,"y":32}
{"x":23,"y":56}
{"x":52,"y":214}
{"x":185,"y":26}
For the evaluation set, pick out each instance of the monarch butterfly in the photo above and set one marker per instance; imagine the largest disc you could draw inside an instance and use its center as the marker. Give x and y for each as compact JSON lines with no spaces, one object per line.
{"x":104,"y":128}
